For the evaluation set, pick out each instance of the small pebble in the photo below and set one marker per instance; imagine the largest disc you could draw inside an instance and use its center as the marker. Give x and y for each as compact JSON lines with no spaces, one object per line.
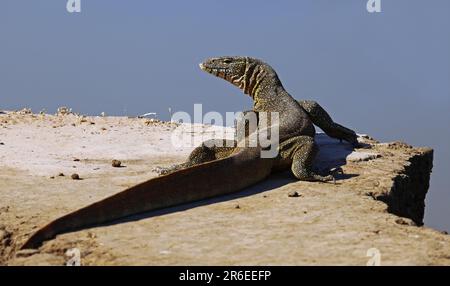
{"x":61,"y":175}
{"x":401,"y":221}
{"x":293,"y":194}
{"x":237,"y":207}
{"x":76,"y":160}
{"x":1,"y":143}
{"x":91,"y":235}
{"x":52,"y":177}
{"x":75,"y":176}
{"x":3,"y":234}
{"x":116,"y":163}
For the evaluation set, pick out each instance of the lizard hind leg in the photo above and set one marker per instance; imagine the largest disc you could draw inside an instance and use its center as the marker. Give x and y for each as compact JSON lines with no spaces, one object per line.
{"x":302,"y":150}
{"x":208,"y":151}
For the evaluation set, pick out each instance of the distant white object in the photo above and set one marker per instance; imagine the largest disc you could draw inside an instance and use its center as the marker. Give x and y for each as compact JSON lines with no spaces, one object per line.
{"x":149,"y":114}
{"x":103,"y":114}
{"x":357,"y":156}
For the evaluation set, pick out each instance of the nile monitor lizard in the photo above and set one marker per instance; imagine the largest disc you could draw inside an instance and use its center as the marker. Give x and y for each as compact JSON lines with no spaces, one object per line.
{"x":211,"y":171}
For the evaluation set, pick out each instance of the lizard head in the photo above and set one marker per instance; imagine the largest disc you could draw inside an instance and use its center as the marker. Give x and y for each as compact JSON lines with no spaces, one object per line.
{"x":244,"y":72}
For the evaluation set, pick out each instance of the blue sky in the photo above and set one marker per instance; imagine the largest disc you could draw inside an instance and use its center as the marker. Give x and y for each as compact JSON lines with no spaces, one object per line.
{"x":386,"y":74}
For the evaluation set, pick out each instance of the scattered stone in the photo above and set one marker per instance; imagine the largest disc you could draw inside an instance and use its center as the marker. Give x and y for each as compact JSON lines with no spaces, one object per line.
{"x":444,"y":232}
{"x":237,"y":206}
{"x":25,"y":111}
{"x":52,"y":177}
{"x":375,"y":196}
{"x":75,"y":176}
{"x":293,"y":194}
{"x":104,"y":129}
{"x":63,"y":110}
{"x":76,"y":160}
{"x":3,"y":234}
{"x":91,"y":235}
{"x":402,"y":221}
{"x":396,"y":145}
{"x":116,"y":163}
{"x":1,"y":143}
{"x":61,"y":175}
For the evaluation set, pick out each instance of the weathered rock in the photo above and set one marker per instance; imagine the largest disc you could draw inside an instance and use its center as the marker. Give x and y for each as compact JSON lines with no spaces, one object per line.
{"x":116,"y":163}
{"x":293,"y":194}
{"x":75,"y":176}
{"x":374,"y":204}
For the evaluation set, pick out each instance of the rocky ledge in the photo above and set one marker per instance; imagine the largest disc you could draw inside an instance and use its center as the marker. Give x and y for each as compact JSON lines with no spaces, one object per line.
{"x":376,"y":206}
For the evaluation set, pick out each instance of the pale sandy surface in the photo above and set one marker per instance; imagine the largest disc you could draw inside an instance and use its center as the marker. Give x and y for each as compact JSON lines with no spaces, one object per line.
{"x":327,"y":224}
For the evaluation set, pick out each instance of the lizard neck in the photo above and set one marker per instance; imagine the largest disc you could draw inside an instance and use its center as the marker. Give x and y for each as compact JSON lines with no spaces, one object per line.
{"x":260,"y":81}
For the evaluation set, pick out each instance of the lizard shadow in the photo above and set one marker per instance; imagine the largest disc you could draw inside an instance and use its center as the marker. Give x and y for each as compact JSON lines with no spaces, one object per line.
{"x":331,"y":155}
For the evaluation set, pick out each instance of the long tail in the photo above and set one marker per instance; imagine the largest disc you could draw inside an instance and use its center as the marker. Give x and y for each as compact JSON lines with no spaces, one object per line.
{"x":192,"y":184}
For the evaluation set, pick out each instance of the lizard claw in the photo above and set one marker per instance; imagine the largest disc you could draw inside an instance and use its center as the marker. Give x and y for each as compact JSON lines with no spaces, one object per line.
{"x":336,"y":171}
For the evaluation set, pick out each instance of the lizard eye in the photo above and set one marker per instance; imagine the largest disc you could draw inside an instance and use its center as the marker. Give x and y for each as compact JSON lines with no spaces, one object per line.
{"x":227,"y":61}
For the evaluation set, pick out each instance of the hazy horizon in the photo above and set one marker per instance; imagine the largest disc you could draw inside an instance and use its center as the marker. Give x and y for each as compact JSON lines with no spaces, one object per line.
{"x":384,"y":74}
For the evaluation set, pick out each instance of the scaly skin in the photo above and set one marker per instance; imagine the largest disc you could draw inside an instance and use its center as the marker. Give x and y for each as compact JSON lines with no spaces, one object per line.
{"x":260,"y":82}
{"x":213,"y":171}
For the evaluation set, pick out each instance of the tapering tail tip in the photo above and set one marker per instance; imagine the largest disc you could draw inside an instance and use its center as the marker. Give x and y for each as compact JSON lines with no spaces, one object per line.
{"x":36,"y":240}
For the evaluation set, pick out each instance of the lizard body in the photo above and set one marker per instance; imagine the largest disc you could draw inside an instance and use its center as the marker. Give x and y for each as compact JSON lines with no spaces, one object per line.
{"x":210,"y":170}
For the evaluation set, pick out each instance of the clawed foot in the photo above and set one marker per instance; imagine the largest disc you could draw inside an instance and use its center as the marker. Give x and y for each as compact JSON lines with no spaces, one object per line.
{"x":331,"y":177}
{"x":336,"y":171}
{"x":343,"y":133}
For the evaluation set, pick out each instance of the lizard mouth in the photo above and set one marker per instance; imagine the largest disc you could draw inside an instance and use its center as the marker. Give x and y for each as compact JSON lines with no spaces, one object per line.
{"x":220,"y":72}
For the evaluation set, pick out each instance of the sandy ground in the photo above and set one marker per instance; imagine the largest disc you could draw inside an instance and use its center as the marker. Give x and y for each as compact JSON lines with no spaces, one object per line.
{"x":326,"y":224}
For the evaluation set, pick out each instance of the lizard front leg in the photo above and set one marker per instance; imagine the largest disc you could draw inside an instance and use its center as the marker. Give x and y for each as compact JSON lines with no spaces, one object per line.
{"x":320,"y":118}
{"x":302,"y":150}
